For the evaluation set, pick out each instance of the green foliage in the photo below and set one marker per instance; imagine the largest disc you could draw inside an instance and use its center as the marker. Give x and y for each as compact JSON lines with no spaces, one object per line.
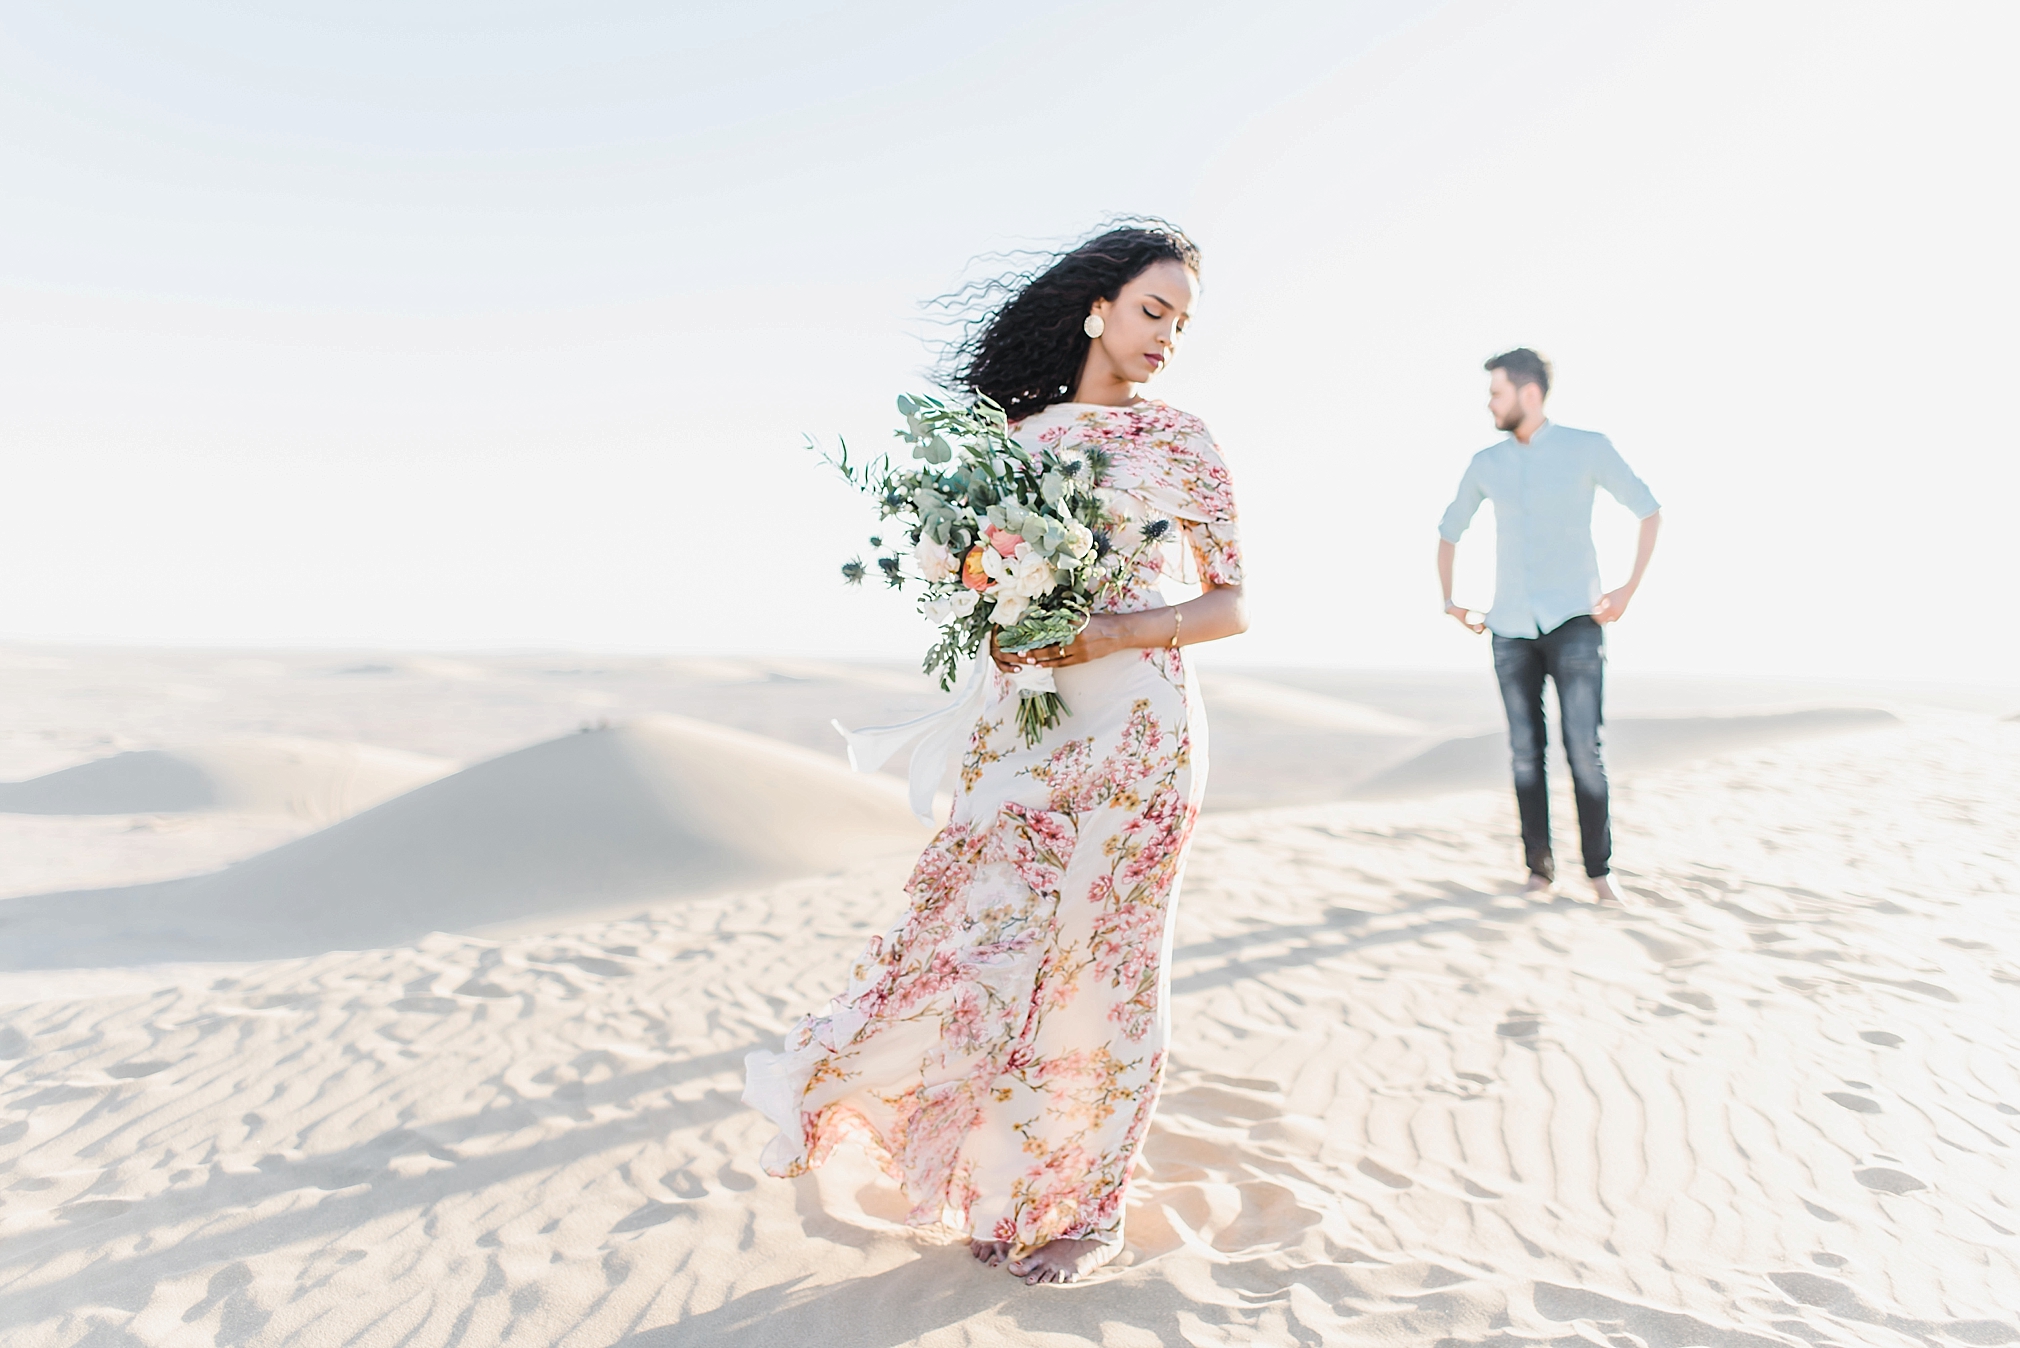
{"x":965,"y":482}
{"x":1050,"y":627}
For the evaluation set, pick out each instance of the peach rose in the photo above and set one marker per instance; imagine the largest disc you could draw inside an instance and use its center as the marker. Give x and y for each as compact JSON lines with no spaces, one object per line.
{"x":972,"y":574}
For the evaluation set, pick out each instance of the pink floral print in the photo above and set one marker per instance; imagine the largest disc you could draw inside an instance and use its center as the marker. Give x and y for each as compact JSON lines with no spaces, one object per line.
{"x":1001,"y":1046}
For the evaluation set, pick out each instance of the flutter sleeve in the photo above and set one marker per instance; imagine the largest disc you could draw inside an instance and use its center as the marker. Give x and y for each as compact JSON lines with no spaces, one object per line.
{"x":1205,"y":509}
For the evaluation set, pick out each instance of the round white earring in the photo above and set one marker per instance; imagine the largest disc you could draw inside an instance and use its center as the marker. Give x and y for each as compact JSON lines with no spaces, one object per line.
{"x":1093,"y":326}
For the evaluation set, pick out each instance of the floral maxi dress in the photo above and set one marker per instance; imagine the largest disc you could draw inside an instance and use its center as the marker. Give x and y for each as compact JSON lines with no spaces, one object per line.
{"x":1000,"y":1047}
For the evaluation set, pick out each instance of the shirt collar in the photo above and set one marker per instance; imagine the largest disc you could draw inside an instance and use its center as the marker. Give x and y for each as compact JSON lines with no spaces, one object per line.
{"x":1547,"y":425}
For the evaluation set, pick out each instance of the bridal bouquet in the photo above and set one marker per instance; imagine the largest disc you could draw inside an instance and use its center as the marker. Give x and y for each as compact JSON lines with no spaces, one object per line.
{"x":1006,"y":541}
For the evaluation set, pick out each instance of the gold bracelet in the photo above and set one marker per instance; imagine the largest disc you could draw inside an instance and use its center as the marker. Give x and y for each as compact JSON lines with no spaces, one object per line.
{"x":1177,"y":623}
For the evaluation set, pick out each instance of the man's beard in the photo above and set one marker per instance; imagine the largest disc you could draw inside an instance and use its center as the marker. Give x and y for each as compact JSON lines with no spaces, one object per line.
{"x":1509,"y":422}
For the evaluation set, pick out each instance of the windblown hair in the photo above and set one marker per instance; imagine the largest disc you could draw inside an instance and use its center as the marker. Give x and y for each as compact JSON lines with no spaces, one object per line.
{"x":1022,"y":342}
{"x":1522,"y":366}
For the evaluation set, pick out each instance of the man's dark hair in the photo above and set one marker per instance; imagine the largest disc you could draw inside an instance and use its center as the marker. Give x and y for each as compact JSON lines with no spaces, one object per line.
{"x":1523,"y":366}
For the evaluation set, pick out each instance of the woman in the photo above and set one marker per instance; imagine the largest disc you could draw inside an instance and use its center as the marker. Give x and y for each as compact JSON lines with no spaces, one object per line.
{"x":1002,"y":1045}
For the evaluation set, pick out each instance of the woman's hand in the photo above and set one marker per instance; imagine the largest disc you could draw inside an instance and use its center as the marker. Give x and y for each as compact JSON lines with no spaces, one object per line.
{"x":1103,"y":635}
{"x":1221,"y":611}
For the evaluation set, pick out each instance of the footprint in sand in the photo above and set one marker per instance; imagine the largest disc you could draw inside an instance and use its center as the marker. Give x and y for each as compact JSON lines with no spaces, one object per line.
{"x":1858,"y":1104}
{"x":1882,"y":1038}
{"x":128,"y":1071}
{"x":652,"y":1214}
{"x":684,"y":1183}
{"x":1888,"y":1180}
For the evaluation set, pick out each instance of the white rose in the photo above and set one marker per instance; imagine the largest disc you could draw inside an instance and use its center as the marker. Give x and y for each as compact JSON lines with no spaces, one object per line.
{"x":1009,"y":608}
{"x":998,"y":567}
{"x":947,"y":607}
{"x":1031,"y":575}
{"x":934,"y":561}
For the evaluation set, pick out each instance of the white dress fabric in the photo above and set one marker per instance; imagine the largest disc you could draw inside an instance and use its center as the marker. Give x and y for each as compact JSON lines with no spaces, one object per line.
{"x":1001,"y":1046}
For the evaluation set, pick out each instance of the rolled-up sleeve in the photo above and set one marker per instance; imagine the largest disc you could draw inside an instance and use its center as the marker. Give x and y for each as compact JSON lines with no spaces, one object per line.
{"x":1467,"y":503}
{"x":1612,"y":473}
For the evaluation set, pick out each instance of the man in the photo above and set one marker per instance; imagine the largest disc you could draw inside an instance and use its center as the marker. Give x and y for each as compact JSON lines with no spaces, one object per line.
{"x":1548,"y":609}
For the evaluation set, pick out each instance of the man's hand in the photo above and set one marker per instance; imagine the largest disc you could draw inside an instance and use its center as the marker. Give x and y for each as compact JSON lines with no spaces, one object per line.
{"x":1465,"y":617}
{"x":1613,"y":604}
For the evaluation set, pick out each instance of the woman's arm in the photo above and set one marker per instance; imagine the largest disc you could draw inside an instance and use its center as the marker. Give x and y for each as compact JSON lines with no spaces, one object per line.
{"x":1222,"y":611}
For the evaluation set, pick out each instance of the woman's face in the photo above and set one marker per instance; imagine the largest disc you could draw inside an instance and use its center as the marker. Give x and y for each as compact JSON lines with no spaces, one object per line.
{"x":1142,"y":324}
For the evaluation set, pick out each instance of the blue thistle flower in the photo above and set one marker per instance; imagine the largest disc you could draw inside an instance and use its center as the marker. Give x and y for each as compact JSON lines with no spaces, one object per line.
{"x":1155,"y":530}
{"x":853,"y":571}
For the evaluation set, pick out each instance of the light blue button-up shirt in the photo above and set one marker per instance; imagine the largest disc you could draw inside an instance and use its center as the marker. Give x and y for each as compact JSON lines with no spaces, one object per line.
{"x":1545,"y":569}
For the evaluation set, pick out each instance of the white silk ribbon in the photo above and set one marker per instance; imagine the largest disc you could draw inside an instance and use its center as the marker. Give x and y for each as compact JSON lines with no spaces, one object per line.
{"x":939,"y":735}
{"x":1033,"y":679}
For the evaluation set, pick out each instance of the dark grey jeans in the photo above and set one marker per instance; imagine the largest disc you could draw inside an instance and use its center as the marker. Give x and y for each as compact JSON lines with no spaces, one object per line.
{"x":1574,"y":658}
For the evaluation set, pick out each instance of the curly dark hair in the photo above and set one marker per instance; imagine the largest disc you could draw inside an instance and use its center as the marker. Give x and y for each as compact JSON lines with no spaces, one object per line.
{"x":1022,"y":343}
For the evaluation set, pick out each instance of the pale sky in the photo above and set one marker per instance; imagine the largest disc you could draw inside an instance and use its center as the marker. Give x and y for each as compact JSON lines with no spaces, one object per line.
{"x":499,"y":325}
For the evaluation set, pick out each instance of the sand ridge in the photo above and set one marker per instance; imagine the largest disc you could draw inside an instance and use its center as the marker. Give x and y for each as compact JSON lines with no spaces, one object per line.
{"x":659,"y":806}
{"x":1772,"y":1102}
{"x":319,"y":781}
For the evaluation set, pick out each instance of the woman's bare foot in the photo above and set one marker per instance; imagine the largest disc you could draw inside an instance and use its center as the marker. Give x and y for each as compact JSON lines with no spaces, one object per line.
{"x":1602,"y":891}
{"x":1064,"y":1260}
{"x":989,"y":1252}
{"x":1538,"y":884}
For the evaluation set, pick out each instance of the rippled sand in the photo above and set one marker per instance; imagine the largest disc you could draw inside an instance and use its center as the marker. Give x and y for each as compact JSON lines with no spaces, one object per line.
{"x":1774,"y":1100}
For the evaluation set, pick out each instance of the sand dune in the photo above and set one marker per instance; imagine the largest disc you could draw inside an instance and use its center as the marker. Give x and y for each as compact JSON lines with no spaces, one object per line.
{"x":1271,"y":751}
{"x":1242,"y":695}
{"x":313,"y":779}
{"x":1476,"y":762}
{"x":1772,"y":1103}
{"x":656,"y":808}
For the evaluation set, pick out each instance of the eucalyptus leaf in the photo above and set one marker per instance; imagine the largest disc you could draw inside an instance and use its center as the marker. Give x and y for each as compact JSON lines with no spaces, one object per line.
{"x":1037,"y":629}
{"x":968,"y":473}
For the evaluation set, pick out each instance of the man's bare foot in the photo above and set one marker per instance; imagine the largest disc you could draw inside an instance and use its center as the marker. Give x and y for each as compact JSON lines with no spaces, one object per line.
{"x":1064,"y":1260}
{"x":1602,"y":891}
{"x":1538,"y":884}
{"x":989,"y":1252}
